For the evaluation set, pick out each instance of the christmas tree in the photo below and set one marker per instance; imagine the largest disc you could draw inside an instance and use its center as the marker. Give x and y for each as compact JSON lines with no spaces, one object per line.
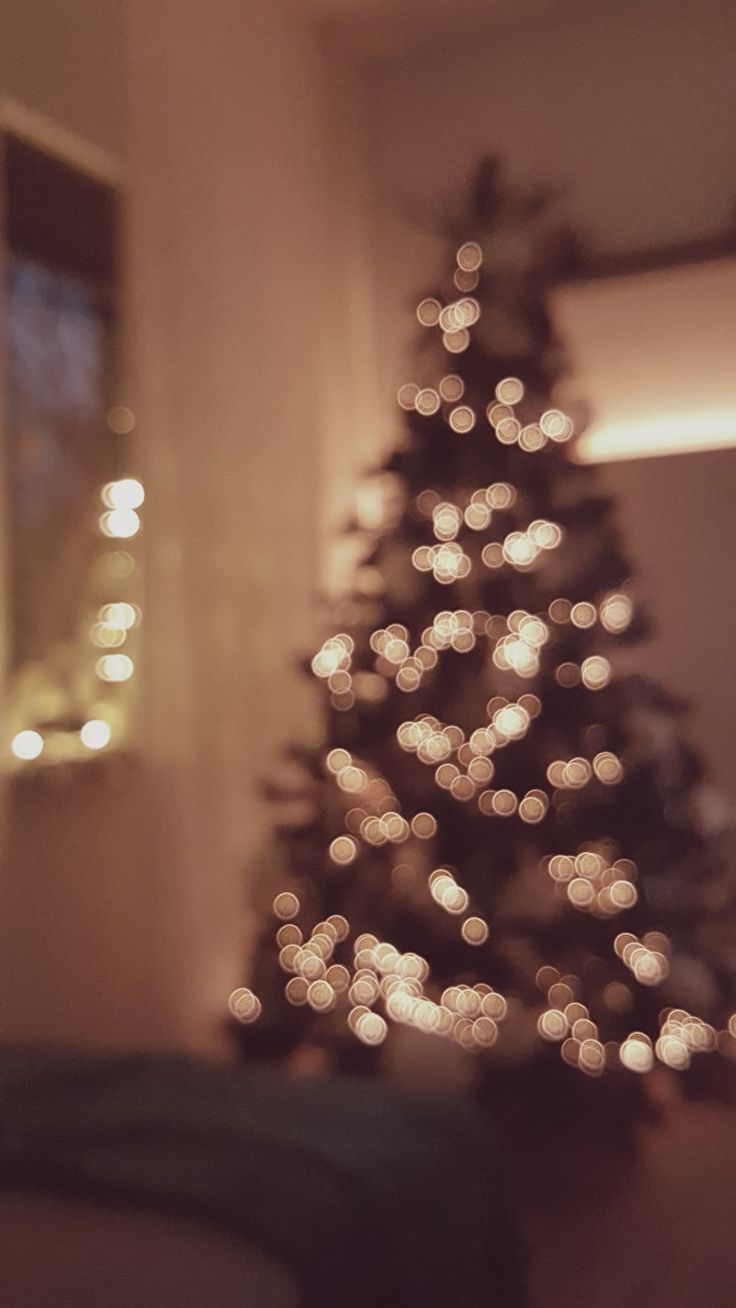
{"x":502,"y":840}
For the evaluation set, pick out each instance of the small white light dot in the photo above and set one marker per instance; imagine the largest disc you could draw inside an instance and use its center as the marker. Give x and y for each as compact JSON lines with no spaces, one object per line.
{"x":96,"y":733}
{"x":27,"y":745}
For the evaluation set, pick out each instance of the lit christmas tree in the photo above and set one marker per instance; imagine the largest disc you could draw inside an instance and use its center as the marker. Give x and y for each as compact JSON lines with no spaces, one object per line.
{"x":502,"y":841}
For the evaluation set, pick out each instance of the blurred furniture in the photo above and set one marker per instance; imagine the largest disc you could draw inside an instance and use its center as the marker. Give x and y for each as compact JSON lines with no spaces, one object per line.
{"x":148,"y":1181}
{"x":69,"y":1251}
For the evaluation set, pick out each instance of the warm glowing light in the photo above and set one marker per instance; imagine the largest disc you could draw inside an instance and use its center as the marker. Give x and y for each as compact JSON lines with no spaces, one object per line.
{"x":296,"y":990}
{"x":119,"y":563}
{"x":580,"y":893}
{"x":452,"y":388}
{"x":407,"y":395}
{"x":371,"y":1028}
{"x":509,"y":391}
{"x":477,"y":516}
{"x":96,"y":733}
{"x":474,"y":931}
{"x":286,"y":905}
{"x":559,"y":611}
{"x":428,"y":312}
{"x":115,"y":667}
{"x":674,"y":1052}
{"x":121,"y":419}
{"x":427,"y":402}
{"x":288,"y":955}
{"x":595,"y":672}
{"x":120,"y":523}
{"x":289,"y":934}
{"x":512,"y":721}
{"x":592,"y":1057}
{"x":244,"y":1005}
{"x":446,"y":521}
{"x":567,"y":675}
{"x":532,"y":438}
{"x":583,"y":614}
{"x":27,"y":745}
{"x":607,"y":768}
{"x":556,"y":425}
{"x":465,"y":281}
{"x":507,"y":430}
{"x":616,"y":612}
{"x":124,"y":495}
{"x":340,"y":924}
{"x":635,"y":1052}
{"x":470,"y":256}
{"x":561,"y":867}
{"x":504,"y":803}
{"x":704,"y":429}
{"x":533,"y":807}
{"x":424,"y":826}
{"x":343,"y":850}
{"x":576,"y":773}
{"x":321,"y":996}
{"x":462,"y":419}
{"x":456,"y":341}
{"x":552,"y":1025}
{"x":120,"y":615}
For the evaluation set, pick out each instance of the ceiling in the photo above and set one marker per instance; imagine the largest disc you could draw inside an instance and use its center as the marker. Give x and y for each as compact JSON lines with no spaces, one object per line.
{"x":389,"y":28}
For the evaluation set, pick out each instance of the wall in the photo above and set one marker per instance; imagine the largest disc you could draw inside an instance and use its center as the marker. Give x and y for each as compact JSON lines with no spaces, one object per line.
{"x":629,"y":108}
{"x":62,"y":59}
{"x":123,"y":905}
{"x":229,"y":249}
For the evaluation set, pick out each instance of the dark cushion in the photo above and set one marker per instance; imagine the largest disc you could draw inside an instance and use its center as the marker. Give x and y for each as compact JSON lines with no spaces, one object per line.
{"x":370,"y":1196}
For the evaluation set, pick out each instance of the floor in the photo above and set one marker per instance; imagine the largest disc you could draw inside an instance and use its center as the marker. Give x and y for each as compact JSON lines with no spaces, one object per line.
{"x":662,"y":1236}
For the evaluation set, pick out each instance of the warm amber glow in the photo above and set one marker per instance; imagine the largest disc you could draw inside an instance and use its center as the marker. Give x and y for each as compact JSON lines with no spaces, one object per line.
{"x":371,"y":1028}
{"x":27,"y":745}
{"x":452,"y":388}
{"x":456,"y":341}
{"x":552,"y":1025}
{"x":96,"y":733}
{"x":428,"y":312}
{"x":509,"y":391}
{"x":668,"y":433}
{"x":470,"y":256}
{"x":427,"y":402}
{"x":424,"y":826}
{"x":244,"y":1005}
{"x":532,"y":438}
{"x":407,"y":395}
{"x":595,"y":672}
{"x":120,"y":523}
{"x":475,"y":931}
{"x":114,"y":667}
{"x":583,"y":614}
{"x":462,"y":419}
{"x":616,"y":612}
{"x":286,"y":905}
{"x":124,"y":495}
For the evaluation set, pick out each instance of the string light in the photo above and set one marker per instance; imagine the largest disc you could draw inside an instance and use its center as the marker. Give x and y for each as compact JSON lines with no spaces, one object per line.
{"x":115,"y":667}
{"x":27,"y":745}
{"x":452,"y":388}
{"x":244,"y":1005}
{"x":96,"y":733}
